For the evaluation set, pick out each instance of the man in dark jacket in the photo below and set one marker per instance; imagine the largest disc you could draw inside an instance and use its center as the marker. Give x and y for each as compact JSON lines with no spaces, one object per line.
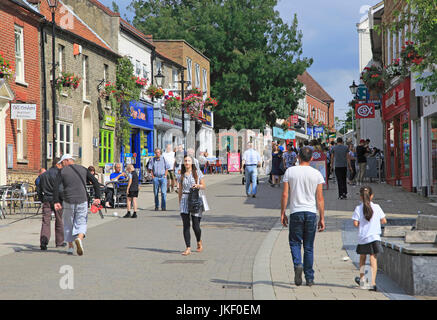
{"x":45,"y":194}
{"x":73,"y":178}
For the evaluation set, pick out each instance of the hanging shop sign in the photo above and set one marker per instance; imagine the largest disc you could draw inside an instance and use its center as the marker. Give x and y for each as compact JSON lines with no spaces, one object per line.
{"x":364,"y":110}
{"x":109,"y":121}
{"x":281,"y":134}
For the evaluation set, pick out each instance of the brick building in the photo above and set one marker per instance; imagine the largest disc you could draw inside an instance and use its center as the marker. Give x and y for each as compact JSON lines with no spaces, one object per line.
{"x":85,"y":122}
{"x":20,"y":109}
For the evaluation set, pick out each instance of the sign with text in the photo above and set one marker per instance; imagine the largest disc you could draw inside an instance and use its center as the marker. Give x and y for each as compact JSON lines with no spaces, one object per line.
{"x":319,"y":163}
{"x":285,"y":135}
{"x":294,"y":119}
{"x":23,"y":111}
{"x":234,"y":162}
{"x":364,"y":110}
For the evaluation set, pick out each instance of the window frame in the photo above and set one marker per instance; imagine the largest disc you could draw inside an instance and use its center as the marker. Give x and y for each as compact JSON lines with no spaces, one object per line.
{"x":85,"y":75}
{"x":104,"y":148}
{"x":20,"y":139}
{"x":64,"y":142}
{"x":190,"y":72}
{"x":205,"y":81}
{"x":20,"y":78}
{"x":197,"y":71}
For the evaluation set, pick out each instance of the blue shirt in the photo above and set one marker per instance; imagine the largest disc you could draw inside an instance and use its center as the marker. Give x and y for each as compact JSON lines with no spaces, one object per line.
{"x":113,"y":175}
{"x":158,"y":166}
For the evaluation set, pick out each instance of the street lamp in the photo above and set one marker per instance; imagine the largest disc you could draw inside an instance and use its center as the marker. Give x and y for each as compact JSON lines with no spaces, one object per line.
{"x":159,"y":78}
{"x":183,"y":82}
{"x":353,"y":87}
{"x":53,"y":4}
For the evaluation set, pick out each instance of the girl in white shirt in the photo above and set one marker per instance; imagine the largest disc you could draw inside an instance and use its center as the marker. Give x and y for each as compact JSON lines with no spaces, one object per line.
{"x":368,"y":217}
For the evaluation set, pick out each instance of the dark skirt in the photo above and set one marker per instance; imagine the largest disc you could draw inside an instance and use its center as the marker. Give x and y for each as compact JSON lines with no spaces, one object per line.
{"x":374,"y":247}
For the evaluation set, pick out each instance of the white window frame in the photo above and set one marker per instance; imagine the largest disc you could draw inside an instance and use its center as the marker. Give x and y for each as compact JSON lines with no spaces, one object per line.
{"x":19,"y":56}
{"x":84,"y":76}
{"x":138,"y":68}
{"x":190,"y":72}
{"x":20,"y":139}
{"x":205,"y":82}
{"x":197,"y":69}
{"x":389,"y":54}
{"x":61,"y":62}
{"x":145,"y":72}
{"x":175,"y":76}
{"x":105,"y":71}
{"x":67,"y":126}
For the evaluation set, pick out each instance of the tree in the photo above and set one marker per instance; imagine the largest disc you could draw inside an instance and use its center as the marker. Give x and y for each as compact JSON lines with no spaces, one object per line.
{"x":421,"y":21}
{"x":348,"y":123}
{"x":255,"y":57}
{"x":115,"y":7}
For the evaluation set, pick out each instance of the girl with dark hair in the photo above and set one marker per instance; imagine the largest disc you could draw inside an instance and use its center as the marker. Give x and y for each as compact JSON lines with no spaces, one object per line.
{"x":190,"y":178}
{"x":368,"y":217}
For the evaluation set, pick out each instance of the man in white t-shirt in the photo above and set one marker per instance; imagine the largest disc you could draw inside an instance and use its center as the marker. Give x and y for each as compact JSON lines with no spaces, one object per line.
{"x":303,"y":184}
{"x":169,"y":156}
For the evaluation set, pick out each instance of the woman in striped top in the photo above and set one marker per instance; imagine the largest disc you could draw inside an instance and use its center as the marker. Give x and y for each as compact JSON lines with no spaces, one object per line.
{"x":190,"y":178}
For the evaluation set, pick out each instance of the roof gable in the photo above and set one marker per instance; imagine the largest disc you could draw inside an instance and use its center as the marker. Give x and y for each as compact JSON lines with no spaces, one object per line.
{"x":314,"y":88}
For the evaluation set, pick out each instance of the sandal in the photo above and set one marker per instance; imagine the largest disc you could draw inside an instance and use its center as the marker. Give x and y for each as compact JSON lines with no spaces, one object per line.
{"x":199,"y":247}
{"x":186,"y":252}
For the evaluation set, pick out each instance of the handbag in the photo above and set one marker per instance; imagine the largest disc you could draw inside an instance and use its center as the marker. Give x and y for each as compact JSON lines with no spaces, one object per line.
{"x":195,"y":203}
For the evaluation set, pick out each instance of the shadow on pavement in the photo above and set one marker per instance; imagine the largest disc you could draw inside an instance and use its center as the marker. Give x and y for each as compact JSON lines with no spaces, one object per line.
{"x":155,"y":250}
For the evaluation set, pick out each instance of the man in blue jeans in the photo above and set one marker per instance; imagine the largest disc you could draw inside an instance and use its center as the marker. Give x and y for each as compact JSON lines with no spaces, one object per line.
{"x":304,"y":185}
{"x":251,"y":161}
{"x":158,"y":167}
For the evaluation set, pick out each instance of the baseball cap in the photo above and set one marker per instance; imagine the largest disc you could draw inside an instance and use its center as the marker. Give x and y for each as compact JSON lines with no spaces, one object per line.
{"x":362,"y":141}
{"x":66,"y":157}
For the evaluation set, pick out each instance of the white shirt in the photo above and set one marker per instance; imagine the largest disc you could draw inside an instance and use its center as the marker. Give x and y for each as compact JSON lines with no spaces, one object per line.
{"x":303,"y":182}
{"x":169,"y":158}
{"x":369,"y":231}
{"x":251,"y":156}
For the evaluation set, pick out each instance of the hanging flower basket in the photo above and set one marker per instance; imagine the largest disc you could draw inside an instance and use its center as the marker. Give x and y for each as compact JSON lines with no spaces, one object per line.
{"x":155,"y":92}
{"x":393,"y":71}
{"x":193,"y":104}
{"x":67,"y":80}
{"x":140,"y":82}
{"x":373,"y":79}
{"x":6,"y":70}
{"x":210,"y":103}
{"x":108,"y":90}
{"x":172,"y":104}
{"x":409,"y":54}
{"x":196,"y":91}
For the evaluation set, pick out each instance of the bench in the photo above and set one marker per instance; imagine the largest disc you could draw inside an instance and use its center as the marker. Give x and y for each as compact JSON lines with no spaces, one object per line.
{"x":410,"y":254}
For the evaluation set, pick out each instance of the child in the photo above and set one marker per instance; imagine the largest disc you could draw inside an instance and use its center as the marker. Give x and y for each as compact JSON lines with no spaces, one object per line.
{"x":368,"y":217}
{"x":132,"y":190}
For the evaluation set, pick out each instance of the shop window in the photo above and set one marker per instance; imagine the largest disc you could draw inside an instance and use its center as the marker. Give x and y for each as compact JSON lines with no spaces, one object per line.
{"x":106,"y":151}
{"x":406,"y":148}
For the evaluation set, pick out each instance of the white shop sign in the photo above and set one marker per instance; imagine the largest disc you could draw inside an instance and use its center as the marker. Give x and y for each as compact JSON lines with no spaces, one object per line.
{"x":23,"y":111}
{"x":429,"y":105}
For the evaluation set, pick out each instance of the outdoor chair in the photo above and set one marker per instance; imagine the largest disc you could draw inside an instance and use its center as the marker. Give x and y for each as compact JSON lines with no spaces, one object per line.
{"x":120,"y":195}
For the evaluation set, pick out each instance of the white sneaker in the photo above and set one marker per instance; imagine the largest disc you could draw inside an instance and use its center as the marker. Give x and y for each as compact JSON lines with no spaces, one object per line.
{"x":70,"y":251}
{"x":79,"y":246}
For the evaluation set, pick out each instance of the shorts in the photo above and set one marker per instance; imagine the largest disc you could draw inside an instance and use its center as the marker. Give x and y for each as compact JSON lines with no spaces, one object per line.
{"x":374,"y":247}
{"x":132,"y":194}
{"x":171,"y":175}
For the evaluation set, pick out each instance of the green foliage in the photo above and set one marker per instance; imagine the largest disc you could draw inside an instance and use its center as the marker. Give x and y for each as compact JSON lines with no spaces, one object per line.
{"x":126,"y":91}
{"x":255,"y":56}
{"x":422,"y":17}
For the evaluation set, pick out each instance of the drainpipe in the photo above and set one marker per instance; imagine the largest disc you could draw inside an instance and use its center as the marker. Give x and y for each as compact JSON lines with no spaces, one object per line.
{"x":44,"y":96}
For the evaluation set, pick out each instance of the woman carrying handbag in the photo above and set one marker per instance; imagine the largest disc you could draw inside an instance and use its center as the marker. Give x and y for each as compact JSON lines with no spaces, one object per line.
{"x":190,"y":183}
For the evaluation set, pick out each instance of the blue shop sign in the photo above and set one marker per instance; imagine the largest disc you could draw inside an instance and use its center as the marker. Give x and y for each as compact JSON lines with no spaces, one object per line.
{"x":207,"y":117}
{"x":309,"y":131}
{"x":318,"y":130}
{"x":285,"y":135}
{"x":141,"y":115}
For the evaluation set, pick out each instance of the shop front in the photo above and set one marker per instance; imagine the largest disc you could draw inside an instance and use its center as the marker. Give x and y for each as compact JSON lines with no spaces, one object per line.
{"x":397,"y":123}
{"x":429,"y":172}
{"x":168,"y":130}
{"x":141,"y":145}
{"x":205,"y":134}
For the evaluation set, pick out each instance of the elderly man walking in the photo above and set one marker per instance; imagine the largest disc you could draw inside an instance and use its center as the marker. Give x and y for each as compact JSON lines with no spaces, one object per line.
{"x":303,"y":185}
{"x":158,"y":167}
{"x":73,"y":178}
{"x":251,"y":161}
{"x":339,"y":160}
{"x":45,"y":194}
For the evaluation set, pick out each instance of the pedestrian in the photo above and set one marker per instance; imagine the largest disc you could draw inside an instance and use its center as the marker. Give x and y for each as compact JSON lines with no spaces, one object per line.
{"x":75,"y":201}
{"x":339,"y":156}
{"x":362,"y":152}
{"x":190,"y":178}
{"x":277,"y":166}
{"x":170,"y":158}
{"x":158,"y":167}
{"x":119,"y":178}
{"x":289,"y":157}
{"x":368,"y":217}
{"x":45,"y":194}
{"x":351,"y":164}
{"x":251,"y":160}
{"x":303,"y":185}
{"x":92,"y":170}
{"x":132,"y":191}
{"x":40,"y":172}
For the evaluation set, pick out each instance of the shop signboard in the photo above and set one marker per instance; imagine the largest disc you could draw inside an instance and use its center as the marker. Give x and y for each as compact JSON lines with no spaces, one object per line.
{"x":109,"y":121}
{"x":207,"y":117}
{"x":319,"y":163}
{"x":396,"y":100}
{"x":234,"y":162}
{"x":429,"y":105}
{"x":362,"y":92}
{"x":285,"y":135}
{"x":23,"y":111}
{"x":140,"y":115}
{"x":309,"y":131}
{"x":364,"y":110}
{"x":294,"y":119}
{"x":318,"y":130}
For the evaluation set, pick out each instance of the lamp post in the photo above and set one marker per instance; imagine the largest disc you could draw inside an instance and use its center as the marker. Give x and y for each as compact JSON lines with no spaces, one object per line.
{"x":183,"y":82}
{"x":353,"y":88}
{"x":53,"y":4}
{"x":159,"y":78}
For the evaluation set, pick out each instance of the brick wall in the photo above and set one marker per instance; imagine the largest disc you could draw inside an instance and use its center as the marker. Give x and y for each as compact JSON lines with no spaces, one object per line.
{"x":10,"y":16}
{"x":313,"y":102}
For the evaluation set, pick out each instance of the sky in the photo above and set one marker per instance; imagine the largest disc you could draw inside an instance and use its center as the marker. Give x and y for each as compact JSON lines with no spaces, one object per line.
{"x":329,"y":37}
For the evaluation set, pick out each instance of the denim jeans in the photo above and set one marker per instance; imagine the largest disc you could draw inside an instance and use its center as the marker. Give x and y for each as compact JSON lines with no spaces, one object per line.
{"x":160,"y":183}
{"x":302,"y":228}
{"x":250,"y":176}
